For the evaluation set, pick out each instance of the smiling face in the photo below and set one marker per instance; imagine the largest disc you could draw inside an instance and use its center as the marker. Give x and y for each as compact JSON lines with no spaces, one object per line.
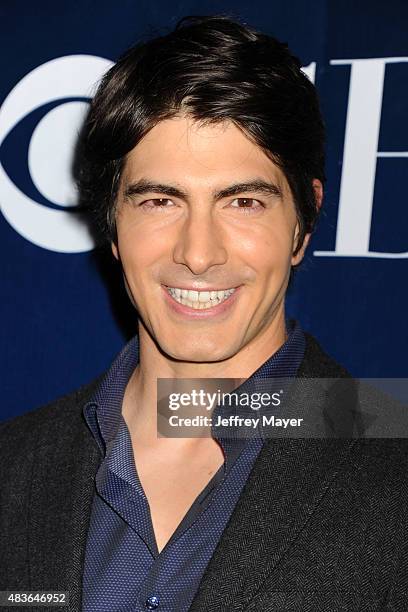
{"x":206,"y":228}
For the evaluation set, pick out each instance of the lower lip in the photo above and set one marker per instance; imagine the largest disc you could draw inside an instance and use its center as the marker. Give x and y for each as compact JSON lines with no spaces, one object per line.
{"x":207,"y":313}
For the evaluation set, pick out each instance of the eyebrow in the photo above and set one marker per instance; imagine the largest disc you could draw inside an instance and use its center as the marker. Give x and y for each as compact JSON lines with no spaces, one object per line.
{"x":144,"y":186}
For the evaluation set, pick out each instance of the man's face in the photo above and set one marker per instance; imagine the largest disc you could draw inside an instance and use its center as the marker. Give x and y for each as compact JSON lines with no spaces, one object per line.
{"x":206,"y":230}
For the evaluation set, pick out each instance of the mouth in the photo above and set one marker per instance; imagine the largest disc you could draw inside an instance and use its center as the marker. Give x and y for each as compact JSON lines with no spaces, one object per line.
{"x":200,"y":300}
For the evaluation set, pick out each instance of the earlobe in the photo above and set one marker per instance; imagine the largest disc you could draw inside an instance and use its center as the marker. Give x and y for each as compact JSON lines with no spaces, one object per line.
{"x":296,"y":259}
{"x":115,"y":250}
{"x":318,"y":193}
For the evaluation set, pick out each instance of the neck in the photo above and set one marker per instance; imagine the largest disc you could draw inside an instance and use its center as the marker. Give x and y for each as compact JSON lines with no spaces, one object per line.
{"x":141,"y":391}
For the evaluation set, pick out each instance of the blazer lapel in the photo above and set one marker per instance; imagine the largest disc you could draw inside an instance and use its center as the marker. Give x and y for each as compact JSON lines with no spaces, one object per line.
{"x":62,"y":489}
{"x":287,"y":483}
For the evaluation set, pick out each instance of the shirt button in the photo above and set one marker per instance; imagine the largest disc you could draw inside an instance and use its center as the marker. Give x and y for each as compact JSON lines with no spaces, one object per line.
{"x":152,"y":602}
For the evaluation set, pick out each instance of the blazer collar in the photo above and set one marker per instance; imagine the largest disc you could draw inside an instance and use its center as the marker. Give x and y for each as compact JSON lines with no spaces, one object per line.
{"x":288,"y":480}
{"x":62,"y":488}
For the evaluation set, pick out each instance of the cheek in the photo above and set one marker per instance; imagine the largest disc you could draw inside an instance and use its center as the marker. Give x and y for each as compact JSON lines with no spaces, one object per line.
{"x":135,"y":261}
{"x":138,"y":248}
{"x":134,"y":257}
{"x":267,"y":251}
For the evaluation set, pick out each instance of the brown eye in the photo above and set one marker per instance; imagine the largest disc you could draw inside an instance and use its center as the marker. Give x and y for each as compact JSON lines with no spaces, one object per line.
{"x":249,"y":204}
{"x":157,"y":203}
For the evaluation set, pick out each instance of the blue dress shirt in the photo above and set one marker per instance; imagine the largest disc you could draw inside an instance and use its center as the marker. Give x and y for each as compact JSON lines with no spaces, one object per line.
{"x":124,"y":570}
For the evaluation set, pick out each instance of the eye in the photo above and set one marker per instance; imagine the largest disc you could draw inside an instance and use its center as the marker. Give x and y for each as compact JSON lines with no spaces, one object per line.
{"x":157,"y":203}
{"x":247,"y":205}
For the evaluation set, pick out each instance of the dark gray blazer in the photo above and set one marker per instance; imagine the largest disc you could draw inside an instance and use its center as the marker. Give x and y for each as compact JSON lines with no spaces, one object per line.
{"x":321,"y":525}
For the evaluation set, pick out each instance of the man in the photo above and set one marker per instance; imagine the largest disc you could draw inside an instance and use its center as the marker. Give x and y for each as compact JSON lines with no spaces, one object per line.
{"x":203,"y":165}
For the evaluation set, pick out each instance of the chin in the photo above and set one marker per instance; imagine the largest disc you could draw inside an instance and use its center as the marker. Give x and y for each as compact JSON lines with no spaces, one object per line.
{"x":204,"y":352}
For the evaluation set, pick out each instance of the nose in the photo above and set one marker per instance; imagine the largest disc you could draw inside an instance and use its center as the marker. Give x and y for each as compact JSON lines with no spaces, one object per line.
{"x":200,"y":244}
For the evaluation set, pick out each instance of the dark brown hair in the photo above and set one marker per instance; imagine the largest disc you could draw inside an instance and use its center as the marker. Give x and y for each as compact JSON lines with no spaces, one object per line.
{"x":214,"y":69}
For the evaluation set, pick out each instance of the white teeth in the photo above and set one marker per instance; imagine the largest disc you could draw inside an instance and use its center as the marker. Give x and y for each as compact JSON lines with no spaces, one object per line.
{"x":204,"y":296}
{"x":199,"y":300}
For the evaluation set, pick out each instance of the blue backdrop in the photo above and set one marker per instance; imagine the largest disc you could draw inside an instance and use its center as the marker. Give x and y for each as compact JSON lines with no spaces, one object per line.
{"x":63,"y":309}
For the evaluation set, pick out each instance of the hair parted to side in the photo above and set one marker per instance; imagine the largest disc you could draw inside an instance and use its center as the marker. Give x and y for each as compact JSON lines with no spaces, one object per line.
{"x":213,"y":69}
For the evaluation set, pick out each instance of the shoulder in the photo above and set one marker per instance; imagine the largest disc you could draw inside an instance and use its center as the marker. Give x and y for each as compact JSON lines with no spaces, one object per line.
{"x":60,"y":418}
{"x":375,"y":417}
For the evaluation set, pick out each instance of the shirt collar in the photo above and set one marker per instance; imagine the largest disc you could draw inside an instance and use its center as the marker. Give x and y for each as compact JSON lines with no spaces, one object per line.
{"x":103,"y":413}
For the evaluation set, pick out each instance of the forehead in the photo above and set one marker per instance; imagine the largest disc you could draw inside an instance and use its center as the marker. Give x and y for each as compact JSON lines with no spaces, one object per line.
{"x":183,"y":149}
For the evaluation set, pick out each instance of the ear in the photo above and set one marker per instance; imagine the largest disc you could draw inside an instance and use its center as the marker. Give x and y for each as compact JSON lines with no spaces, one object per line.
{"x":115,"y":250}
{"x":318,"y":194}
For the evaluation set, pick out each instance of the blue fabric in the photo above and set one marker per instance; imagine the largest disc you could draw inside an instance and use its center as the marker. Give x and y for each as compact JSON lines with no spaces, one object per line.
{"x":123,"y":568}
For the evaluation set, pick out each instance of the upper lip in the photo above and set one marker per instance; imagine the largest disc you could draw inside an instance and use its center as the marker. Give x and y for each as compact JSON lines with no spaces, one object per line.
{"x":197,"y":288}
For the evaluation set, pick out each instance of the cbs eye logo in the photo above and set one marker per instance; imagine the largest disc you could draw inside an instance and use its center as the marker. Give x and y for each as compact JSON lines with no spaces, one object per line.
{"x":39,"y":125}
